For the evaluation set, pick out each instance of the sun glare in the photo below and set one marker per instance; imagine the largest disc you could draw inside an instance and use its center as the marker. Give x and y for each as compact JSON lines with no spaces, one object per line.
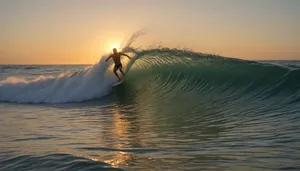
{"x":115,"y":45}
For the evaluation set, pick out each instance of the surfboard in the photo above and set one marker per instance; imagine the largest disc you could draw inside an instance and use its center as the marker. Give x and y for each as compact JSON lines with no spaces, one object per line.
{"x":118,"y":83}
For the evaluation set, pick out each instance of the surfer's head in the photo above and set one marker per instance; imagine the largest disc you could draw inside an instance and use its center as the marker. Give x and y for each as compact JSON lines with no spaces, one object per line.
{"x":115,"y":50}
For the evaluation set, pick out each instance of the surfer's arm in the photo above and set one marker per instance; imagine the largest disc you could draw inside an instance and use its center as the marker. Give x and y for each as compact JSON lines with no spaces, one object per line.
{"x":125,"y":55}
{"x":108,"y":58}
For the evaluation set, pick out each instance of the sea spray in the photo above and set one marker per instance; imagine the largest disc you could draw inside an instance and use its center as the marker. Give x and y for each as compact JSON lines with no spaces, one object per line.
{"x":89,"y":83}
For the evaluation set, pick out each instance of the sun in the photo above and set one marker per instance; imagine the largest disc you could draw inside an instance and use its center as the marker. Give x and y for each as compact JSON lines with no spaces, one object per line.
{"x":115,"y":45}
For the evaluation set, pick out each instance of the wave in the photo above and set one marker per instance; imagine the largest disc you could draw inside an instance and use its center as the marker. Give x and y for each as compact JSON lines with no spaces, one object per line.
{"x":167,"y":73}
{"x":12,"y":67}
{"x":54,"y":161}
{"x":172,"y":72}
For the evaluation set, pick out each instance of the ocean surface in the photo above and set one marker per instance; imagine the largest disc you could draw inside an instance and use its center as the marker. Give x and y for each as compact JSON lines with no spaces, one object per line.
{"x":176,"y":110}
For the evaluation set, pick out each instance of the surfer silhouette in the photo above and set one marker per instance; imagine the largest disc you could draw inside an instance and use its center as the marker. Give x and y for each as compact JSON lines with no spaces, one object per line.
{"x":117,"y":59}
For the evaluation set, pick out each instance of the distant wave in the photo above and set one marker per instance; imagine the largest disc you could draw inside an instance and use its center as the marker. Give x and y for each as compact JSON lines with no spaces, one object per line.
{"x":26,"y":67}
{"x":51,"y":162}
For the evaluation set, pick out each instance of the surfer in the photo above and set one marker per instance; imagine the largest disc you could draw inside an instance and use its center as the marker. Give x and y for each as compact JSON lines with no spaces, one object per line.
{"x":117,"y":59}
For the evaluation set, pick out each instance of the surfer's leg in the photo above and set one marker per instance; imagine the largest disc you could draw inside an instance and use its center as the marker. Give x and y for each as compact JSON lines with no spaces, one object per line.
{"x":115,"y":71}
{"x":121,"y":70}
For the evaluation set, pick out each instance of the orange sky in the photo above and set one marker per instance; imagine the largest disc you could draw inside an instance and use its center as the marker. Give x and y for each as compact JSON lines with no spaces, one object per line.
{"x":79,"y":32}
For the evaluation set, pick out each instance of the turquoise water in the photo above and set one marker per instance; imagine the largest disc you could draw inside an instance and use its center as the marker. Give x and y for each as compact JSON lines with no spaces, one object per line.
{"x":176,"y":110}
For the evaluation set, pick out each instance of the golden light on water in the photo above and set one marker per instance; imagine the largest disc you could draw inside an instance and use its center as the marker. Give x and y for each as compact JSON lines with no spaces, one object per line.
{"x":120,"y":132}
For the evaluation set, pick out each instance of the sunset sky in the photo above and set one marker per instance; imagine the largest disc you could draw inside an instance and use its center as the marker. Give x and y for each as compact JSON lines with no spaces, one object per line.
{"x":80,"y":31}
